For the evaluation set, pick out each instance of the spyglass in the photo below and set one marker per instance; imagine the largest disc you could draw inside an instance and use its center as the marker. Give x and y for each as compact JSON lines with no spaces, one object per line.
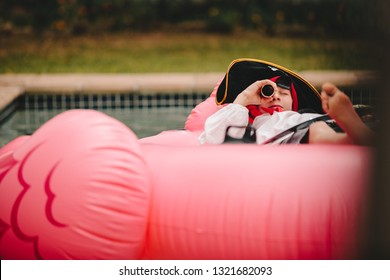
{"x":267,"y":91}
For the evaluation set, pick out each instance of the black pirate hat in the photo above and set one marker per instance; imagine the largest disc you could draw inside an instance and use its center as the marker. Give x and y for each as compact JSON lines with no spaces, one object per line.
{"x":245,"y":71}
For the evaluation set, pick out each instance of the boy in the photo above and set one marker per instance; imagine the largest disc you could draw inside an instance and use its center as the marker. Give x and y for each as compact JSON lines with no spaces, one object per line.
{"x":272,"y":115}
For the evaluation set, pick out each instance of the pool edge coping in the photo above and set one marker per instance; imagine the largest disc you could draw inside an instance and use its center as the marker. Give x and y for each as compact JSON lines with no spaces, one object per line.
{"x":14,"y":85}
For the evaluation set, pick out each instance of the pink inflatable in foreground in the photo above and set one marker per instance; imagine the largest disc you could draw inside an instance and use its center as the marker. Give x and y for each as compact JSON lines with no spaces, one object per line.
{"x":84,"y":187}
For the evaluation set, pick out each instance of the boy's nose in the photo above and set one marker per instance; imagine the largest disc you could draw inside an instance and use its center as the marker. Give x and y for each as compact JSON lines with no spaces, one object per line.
{"x":276,"y":95}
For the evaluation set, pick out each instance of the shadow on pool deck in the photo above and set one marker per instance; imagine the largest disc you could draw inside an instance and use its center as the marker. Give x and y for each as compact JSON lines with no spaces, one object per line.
{"x":13,"y":85}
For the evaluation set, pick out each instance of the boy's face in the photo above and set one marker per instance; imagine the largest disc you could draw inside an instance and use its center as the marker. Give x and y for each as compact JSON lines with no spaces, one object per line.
{"x":281,"y":99}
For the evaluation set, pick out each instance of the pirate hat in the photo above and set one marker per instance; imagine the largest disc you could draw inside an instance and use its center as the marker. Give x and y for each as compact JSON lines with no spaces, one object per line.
{"x":245,"y":71}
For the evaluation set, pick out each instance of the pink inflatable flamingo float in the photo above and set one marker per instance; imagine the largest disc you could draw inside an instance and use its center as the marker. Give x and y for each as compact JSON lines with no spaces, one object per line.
{"x":84,"y":187}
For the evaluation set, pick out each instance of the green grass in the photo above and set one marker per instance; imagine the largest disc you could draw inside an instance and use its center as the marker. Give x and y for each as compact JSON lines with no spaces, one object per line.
{"x":164,"y":52}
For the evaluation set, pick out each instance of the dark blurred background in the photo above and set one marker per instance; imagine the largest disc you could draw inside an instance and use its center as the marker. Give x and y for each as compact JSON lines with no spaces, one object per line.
{"x":271,"y":17}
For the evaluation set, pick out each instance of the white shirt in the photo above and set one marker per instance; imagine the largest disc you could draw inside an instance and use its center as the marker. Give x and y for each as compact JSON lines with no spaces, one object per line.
{"x":236,"y":116}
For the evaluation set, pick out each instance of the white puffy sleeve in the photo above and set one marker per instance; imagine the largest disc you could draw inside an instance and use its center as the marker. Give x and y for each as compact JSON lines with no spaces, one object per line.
{"x":216,"y":125}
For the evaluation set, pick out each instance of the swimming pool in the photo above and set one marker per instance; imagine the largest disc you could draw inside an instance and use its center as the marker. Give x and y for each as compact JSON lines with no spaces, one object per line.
{"x":146,"y":115}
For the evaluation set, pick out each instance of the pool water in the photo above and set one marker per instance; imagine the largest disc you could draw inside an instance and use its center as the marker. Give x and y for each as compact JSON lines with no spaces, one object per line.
{"x":145,"y":115}
{"x":142,"y":121}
